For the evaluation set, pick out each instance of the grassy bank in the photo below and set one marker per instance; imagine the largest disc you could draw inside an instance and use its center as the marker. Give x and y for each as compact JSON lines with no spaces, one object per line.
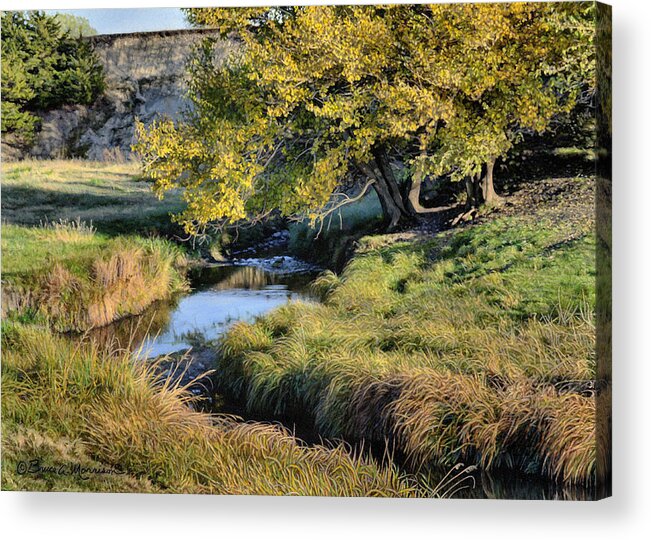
{"x":474,"y":346}
{"x":72,"y":278}
{"x":78,"y":252}
{"x":81,"y":243}
{"x":110,"y":195}
{"x":68,"y":404}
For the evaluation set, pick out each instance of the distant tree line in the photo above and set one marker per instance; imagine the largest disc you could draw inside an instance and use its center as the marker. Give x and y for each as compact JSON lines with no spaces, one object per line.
{"x":74,"y":25}
{"x":44,"y":66}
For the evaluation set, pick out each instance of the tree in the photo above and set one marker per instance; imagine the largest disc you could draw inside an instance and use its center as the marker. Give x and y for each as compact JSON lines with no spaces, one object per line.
{"x":508,"y":69}
{"x":314,"y":95}
{"x":43,"y":68}
{"x":74,"y":25}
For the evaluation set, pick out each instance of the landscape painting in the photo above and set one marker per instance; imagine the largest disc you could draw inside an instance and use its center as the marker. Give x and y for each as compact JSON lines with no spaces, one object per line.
{"x":339,"y":251}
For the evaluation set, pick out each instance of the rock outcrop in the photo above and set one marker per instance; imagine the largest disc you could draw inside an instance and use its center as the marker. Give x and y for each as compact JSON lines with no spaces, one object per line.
{"x":145,"y":78}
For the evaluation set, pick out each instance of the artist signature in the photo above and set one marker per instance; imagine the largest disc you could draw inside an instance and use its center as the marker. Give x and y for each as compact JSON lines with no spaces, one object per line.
{"x":34,"y":466}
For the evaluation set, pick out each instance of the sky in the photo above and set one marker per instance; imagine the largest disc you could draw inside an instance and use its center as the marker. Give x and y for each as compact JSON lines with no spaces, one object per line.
{"x":116,"y":21}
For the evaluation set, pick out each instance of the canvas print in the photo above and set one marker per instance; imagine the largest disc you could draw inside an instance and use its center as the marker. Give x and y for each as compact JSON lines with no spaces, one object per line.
{"x":343,"y":251}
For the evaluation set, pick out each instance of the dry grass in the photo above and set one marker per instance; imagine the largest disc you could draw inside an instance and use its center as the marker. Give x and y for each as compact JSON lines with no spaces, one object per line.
{"x":451,"y":417}
{"x":70,"y":231}
{"x":65,"y":402}
{"x":476,"y":347}
{"x":74,"y":279}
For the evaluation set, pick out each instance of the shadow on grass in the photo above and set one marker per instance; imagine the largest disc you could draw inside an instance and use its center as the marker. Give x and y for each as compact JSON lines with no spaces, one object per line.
{"x":116,"y":213}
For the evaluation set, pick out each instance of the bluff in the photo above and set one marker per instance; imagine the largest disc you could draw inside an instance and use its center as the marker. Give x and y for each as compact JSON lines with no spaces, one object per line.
{"x":145,"y":77}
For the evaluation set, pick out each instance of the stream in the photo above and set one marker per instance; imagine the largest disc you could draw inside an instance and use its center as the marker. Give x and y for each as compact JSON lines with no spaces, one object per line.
{"x":226,"y":293}
{"x":220,"y":295}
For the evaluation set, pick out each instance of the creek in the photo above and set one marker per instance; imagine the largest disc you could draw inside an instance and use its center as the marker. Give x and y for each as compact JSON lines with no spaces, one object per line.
{"x":223,"y":294}
{"x":220,"y":295}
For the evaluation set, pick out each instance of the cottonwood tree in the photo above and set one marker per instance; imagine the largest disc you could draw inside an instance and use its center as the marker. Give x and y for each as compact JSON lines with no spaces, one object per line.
{"x":508,"y":69}
{"x":314,"y":95}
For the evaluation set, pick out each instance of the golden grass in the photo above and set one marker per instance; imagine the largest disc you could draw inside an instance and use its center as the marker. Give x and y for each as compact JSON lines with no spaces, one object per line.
{"x":83,"y":282}
{"x":482,"y":354}
{"x":77,"y":403}
{"x":450,"y":417}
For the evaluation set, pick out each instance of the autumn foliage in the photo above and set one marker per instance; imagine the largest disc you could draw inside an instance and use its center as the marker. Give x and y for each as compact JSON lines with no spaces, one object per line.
{"x":388,"y":96}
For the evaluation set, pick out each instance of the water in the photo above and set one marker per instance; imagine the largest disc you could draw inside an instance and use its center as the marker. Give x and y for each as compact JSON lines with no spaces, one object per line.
{"x":220,"y":296}
{"x":507,"y":484}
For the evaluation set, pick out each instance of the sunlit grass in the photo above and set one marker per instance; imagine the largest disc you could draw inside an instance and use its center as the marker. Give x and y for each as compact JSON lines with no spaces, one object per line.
{"x":69,"y":276}
{"x":65,"y":402}
{"x":456,"y":349}
{"x":476,"y":346}
{"x":110,"y":195}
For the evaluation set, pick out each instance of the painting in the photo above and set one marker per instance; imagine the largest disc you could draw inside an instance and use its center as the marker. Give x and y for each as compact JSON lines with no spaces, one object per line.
{"x":339,"y":251}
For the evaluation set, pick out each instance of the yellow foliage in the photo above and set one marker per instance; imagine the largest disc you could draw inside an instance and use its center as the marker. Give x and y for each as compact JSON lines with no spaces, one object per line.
{"x":314,"y":91}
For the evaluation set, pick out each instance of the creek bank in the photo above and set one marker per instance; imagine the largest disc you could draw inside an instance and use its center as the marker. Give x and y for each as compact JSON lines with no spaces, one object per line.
{"x":194,"y":368}
{"x":385,"y":304}
{"x":191,"y":368}
{"x":177,"y":337}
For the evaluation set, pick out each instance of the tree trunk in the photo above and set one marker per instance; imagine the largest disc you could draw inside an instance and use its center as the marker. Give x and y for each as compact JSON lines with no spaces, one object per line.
{"x":384,"y":167}
{"x":480,"y":188}
{"x":488,"y":190}
{"x":474,"y":194}
{"x":413,"y":197}
{"x":470,"y":193}
{"x":393,"y":212}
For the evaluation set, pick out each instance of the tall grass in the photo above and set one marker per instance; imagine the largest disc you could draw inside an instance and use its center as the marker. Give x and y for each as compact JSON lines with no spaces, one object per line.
{"x":69,"y":276}
{"x":477,"y":346}
{"x":76,"y":402}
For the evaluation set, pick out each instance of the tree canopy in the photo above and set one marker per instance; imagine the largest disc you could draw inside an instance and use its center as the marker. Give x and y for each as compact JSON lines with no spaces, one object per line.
{"x":74,"y":25}
{"x":314,"y":96}
{"x":43,"y":68}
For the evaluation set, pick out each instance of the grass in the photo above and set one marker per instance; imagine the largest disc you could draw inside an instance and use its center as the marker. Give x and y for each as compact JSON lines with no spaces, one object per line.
{"x":74,"y":252}
{"x":111,"y":195}
{"x":475,"y":346}
{"x":73,"y":278}
{"x":68,"y":404}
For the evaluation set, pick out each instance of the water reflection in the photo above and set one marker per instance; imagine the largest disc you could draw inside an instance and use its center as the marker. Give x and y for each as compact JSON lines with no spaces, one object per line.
{"x":221,"y":295}
{"x":507,"y":484}
{"x":129,"y":332}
